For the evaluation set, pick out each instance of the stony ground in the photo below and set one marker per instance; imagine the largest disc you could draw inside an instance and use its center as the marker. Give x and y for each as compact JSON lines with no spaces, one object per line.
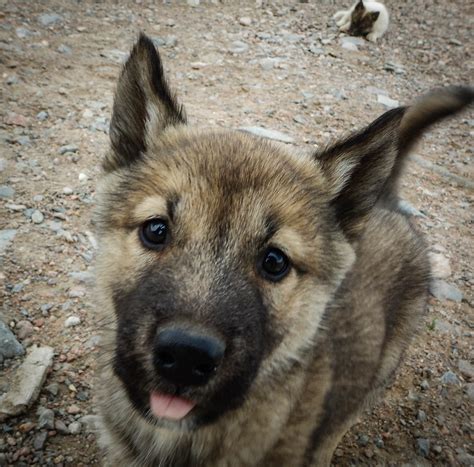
{"x":283,"y":67}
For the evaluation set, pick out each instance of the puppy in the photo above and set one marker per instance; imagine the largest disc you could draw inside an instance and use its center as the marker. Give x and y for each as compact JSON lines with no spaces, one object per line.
{"x":255,"y":300}
{"x":364,"y":18}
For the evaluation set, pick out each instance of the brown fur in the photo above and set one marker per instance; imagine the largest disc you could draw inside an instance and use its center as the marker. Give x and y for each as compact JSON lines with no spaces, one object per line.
{"x":307,"y":353}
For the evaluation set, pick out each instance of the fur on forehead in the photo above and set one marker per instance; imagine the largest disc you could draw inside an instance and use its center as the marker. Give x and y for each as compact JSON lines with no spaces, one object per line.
{"x":215,"y":166}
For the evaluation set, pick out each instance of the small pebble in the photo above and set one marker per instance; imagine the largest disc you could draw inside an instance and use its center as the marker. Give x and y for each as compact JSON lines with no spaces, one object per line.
{"x":449,"y":378}
{"x":421,"y":416}
{"x":24,"y":329}
{"x":362,"y":440}
{"x":46,"y":419}
{"x":53,"y":389}
{"x":423,"y":446}
{"x":68,"y":148}
{"x":43,"y":115}
{"x":75,"y":428}
{"x":73,"y":409}
{"x":64,"y":49}
{"x":61,"y":427}
{"x":424,"y":385}
{"x":37,"y":217}
{"x":245,"y":21}
{"x":466,"y":368}
{"x":39,"y":441}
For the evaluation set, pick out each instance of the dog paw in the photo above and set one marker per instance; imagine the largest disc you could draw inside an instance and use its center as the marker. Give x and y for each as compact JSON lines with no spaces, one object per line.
{"x":372,"y":37}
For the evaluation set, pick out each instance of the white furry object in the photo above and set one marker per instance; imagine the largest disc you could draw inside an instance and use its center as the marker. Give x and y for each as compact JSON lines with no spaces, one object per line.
{"x":343,"y":19}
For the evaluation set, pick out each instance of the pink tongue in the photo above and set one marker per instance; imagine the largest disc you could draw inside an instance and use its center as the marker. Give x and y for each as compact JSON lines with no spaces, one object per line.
{"x":167,"y":406}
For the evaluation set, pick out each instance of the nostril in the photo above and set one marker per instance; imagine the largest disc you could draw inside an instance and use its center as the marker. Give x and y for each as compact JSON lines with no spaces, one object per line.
{"x":204,"y":369}
{"x":185,"y":358}
{"x":166,"y":360}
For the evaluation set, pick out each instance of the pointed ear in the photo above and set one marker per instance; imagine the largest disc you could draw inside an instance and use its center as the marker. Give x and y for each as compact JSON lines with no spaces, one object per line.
{"x":143,"y":106}
{"x":373,"y":15}
{"x":360,"y":6}
{"x":365,"y":168}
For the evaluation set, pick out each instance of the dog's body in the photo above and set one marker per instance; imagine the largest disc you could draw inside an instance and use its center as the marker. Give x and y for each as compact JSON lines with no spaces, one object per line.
{"x":255,"y":300}
{"x":364,"y":18}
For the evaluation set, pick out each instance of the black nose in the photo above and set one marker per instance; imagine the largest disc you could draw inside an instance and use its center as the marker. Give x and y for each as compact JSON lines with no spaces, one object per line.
{"x":187,"y":359}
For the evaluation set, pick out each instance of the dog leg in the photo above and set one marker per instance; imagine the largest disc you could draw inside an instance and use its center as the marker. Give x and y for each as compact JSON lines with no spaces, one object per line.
{"x":372,"y":37}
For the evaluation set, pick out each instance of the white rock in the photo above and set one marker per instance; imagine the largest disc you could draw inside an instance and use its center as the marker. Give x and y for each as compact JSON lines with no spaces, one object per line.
{"x":349,"y":46}
{"x":83,"y":177}
{"x":387,"y":101}
{"x":72,"y":321}
{"x":245,"y":21}
{"x":68,"y":191}
{"x":198,"y":65}
{"x":358,"y":41}
{"x":37,"y":217}
{"x":238,"y":47}
{"x":75,"y":428}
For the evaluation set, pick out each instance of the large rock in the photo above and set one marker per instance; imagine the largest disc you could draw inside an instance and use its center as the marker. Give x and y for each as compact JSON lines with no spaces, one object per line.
{"x":9,"y":346}
{"x":27,"y":382}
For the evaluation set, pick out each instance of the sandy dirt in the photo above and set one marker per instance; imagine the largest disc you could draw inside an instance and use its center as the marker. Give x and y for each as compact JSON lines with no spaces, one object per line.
{"x":284,"y":69}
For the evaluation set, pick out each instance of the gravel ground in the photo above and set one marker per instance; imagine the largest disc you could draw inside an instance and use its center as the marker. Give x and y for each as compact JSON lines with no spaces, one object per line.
{"x":283,"y":67}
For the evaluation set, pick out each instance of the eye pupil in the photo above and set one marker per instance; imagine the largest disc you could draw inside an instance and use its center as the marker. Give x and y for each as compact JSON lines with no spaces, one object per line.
{"x":275,"y":264}
{"x":153,"y":233}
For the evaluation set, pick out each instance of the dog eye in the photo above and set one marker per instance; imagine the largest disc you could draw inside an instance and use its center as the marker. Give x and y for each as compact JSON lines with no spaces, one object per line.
{"x":153,"y":233}
{"x":275,"y":264}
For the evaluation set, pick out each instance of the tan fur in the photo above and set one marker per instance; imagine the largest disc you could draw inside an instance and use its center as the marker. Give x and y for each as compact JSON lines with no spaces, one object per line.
{"x":340,"y":320}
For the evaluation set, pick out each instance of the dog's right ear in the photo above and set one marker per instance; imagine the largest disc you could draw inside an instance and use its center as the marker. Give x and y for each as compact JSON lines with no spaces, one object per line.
{"x":365,"y":168}
{"x":143,"y":106}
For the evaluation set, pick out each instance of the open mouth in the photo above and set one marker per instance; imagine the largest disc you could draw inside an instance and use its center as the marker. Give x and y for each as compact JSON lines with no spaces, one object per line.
{"x":169,"y":406}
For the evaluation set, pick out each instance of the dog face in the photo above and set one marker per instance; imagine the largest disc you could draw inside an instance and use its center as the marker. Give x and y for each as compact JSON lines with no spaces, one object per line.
{"x":362,"y":21}
{"x":219,"y":251}
{"x":220,"y":237}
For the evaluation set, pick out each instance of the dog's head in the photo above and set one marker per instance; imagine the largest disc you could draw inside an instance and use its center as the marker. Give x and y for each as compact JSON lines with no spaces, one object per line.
{"x":220,"y":250}
{"x":362,"y":21}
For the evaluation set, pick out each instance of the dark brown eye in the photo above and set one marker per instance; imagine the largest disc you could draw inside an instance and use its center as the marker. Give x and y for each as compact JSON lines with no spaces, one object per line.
{"x":275,"y":264}
{"x":153,"y":233}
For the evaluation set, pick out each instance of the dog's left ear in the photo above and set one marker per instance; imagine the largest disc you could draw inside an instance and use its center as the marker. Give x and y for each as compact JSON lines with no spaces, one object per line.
{"x":143,"y":106}
{"x":373,"y":15}
{"x":364,"y":169}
